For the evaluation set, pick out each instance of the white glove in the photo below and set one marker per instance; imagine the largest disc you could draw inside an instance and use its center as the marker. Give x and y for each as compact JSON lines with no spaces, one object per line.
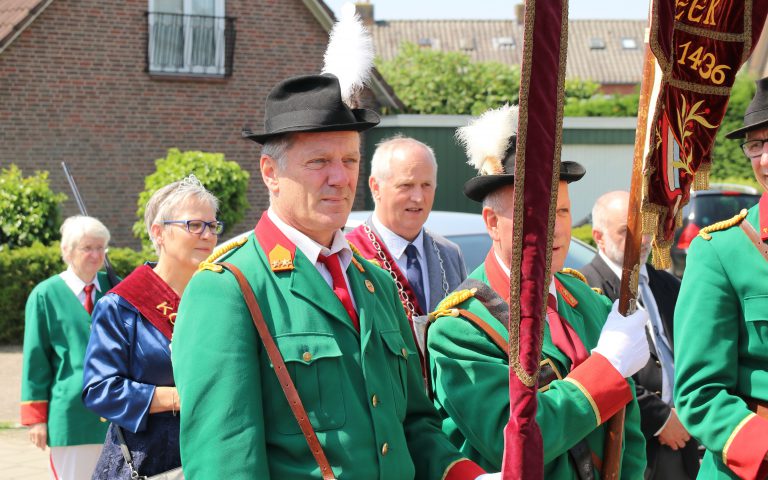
{"x":623,"y":341}
{"x":489,"y":476}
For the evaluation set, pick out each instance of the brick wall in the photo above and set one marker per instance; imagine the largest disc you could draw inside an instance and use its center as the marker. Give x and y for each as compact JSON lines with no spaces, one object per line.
{"x":73,"y":88}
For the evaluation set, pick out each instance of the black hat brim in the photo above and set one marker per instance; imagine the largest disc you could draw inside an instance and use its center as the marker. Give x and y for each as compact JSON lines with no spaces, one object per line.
{"x":477,"y":188}
{"x":742,"y":132}
{"x":365,"y":119}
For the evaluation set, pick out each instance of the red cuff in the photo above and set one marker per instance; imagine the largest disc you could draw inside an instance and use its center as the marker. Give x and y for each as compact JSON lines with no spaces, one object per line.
{"x":745,"y":450}
{"x":34,"y":412}
{"x":603,"y":385}
{"x":463,"y":470}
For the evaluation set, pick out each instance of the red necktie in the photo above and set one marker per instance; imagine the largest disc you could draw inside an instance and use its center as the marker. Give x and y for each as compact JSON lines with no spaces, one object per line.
{"x":564,"y":336}
{"x":88,"y":298}
{"x":340,"y":288}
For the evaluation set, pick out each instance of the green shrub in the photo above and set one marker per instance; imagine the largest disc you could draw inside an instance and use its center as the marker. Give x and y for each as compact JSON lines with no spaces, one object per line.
{"x":223,"y":178}
{"x":23,"y":268}
{"x":584,"y":233}
{"x":30,"y":209}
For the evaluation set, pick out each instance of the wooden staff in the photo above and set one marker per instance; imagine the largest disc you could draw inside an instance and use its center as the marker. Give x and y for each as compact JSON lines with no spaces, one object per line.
{"x":632,"y":245}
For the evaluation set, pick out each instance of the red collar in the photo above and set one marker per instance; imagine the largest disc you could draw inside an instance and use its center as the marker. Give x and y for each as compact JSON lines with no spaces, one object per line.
{"x":152,"y":297}
{"x":279,"y":250}
{"x":497,"y":279}
{"x":764,"y":217}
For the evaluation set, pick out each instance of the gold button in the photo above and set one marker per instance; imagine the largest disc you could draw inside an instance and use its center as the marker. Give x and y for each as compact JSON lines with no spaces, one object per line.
{"x":307,"y":356}
{"x":404,"y":352}
{"x":375,"y":401}
{"x":369,"y":286}
{"x":385,"y":448}
{"x":102,"y":419}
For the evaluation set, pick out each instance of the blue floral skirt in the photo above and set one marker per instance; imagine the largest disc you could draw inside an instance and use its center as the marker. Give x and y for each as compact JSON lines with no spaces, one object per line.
{"x":154,"y":450}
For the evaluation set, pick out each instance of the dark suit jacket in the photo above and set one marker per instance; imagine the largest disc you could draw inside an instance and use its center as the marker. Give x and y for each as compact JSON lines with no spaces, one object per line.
{"x":653,"y":411}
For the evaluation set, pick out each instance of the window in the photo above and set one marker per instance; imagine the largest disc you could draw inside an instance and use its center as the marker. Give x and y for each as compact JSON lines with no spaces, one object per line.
{"x":425,"y":42}
{"x":503,"y":43}
{"x":596,"y":43}
{"x":189,"y":37}
{"x":628,"y":43}
{"x":467,"y":44}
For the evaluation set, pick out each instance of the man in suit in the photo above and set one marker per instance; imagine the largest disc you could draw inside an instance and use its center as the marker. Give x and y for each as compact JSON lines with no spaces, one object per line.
{"x":588,"y":348}
{"x":335,"y":318}
{"x":671,"y":452}
{"x":403,"y":182}
{"x":721,"y":326}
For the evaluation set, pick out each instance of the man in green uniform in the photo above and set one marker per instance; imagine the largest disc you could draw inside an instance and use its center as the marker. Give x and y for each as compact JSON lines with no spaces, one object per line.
{"x":721,"y":327}
{"x":335,"y":318}
{"x":578,"y":391}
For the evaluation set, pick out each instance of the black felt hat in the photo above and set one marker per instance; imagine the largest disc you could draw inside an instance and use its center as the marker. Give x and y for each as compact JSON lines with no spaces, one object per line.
{"x":477,"y":188}
{"x":756,"y":115}
{"x":310,"y":103}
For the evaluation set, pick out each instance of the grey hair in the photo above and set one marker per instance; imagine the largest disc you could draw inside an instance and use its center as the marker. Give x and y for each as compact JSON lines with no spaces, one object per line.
{"x":277,"y":148}
{"x":75,"y":228}
{"x":382,"y":157}
{"x":494,"y":200}
{"x":165,"y":201}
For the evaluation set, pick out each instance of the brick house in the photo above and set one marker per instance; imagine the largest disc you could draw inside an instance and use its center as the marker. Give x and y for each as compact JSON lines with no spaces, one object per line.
{"x":109,"y":85}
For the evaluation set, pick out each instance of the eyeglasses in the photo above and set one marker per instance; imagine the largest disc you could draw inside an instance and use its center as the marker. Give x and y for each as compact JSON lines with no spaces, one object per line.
{"x":88,"y":250}
{"x":753,"y":148}
{"x":197,"y":227}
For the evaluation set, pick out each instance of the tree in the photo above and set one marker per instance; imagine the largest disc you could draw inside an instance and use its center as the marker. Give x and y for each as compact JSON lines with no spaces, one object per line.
{"x":30,"y":209}
{"x":225,"y":179}
{"x":433,"y":82}
{"x":728,"y":161}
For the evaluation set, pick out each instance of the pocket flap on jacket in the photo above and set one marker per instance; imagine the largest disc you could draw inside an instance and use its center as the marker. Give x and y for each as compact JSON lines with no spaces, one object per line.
{"x":307,"y":348}
{"x":393,"y":339}
{"x":756,"y":308}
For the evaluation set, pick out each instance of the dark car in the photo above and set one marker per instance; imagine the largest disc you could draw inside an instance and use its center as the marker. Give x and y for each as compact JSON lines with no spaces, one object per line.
{"x":705,"y":208}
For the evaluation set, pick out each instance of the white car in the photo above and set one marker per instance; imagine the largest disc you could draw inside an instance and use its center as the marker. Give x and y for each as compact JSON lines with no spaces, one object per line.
{"x":467,"y":230}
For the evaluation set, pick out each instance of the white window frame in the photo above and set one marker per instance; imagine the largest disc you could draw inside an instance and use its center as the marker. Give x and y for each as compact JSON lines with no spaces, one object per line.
{"x":218,"y":68}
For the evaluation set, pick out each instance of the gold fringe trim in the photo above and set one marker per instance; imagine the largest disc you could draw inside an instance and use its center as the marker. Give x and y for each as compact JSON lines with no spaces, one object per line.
{"x":725,"y":224}
{"x":701,"y":177}
{"x":208,"y":263}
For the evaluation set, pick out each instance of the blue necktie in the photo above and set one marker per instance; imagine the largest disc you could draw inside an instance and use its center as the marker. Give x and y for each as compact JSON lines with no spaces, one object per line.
{"x":414,"y":276}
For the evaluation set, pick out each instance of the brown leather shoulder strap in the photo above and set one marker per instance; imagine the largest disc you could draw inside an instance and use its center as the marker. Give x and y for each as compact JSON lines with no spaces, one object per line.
{"x":755,"y":238}
{"x":282,"y":374}
{"x":483,"y":325}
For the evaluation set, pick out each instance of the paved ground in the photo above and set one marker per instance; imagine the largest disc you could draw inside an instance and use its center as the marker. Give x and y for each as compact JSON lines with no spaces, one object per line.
{"x":19,"y":460}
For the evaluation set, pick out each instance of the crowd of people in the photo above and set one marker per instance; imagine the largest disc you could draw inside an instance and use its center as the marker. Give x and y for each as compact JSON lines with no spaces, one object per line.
{"x":299,"y":352}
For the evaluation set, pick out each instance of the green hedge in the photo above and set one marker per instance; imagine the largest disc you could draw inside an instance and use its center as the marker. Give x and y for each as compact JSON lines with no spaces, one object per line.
{"x":23,"y":268}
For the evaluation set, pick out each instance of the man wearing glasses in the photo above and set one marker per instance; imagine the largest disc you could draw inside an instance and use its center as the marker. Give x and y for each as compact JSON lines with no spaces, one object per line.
{"x":721,"y":326}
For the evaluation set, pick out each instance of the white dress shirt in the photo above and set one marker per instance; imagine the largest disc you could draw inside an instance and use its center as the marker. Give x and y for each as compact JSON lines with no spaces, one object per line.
{"x":552,"y":289}
{"x":78,"y":286}
{"x":396,"y":246}
{"x":312,"y":250}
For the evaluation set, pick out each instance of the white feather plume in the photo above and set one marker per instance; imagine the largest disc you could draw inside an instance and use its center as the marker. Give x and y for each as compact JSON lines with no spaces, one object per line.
{"x":349,"y":55}
{"x":486,"y":139}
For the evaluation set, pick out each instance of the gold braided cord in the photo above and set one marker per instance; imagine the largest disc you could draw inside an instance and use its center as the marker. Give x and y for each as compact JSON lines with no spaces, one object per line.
{"x":455,"y":298}
{"x":575,"y":273}
{"x":208,"y":263}
{"x":725,"y":224}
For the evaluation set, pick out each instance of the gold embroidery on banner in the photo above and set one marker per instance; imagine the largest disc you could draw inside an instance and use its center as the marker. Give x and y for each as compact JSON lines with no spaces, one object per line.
{"x":164,"y":307}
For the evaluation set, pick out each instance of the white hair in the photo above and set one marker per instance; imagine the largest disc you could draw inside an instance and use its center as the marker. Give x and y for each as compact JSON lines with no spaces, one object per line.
{"x":382,"y":157}
{"x":77,"y":227}
{"x":164,"y":202}
{"x":600,"y":209}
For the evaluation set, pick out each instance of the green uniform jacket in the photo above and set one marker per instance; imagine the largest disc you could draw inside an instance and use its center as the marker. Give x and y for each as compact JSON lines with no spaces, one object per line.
{"x":56,"y":331}
{"x":721,"y":351}
{"x":363,"y":393}
{"x":470,"y":376}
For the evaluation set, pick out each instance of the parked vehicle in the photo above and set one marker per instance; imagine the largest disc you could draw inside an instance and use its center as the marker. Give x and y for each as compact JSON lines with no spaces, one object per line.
{"x":720,"y":202}
{"x":467,"y":230}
